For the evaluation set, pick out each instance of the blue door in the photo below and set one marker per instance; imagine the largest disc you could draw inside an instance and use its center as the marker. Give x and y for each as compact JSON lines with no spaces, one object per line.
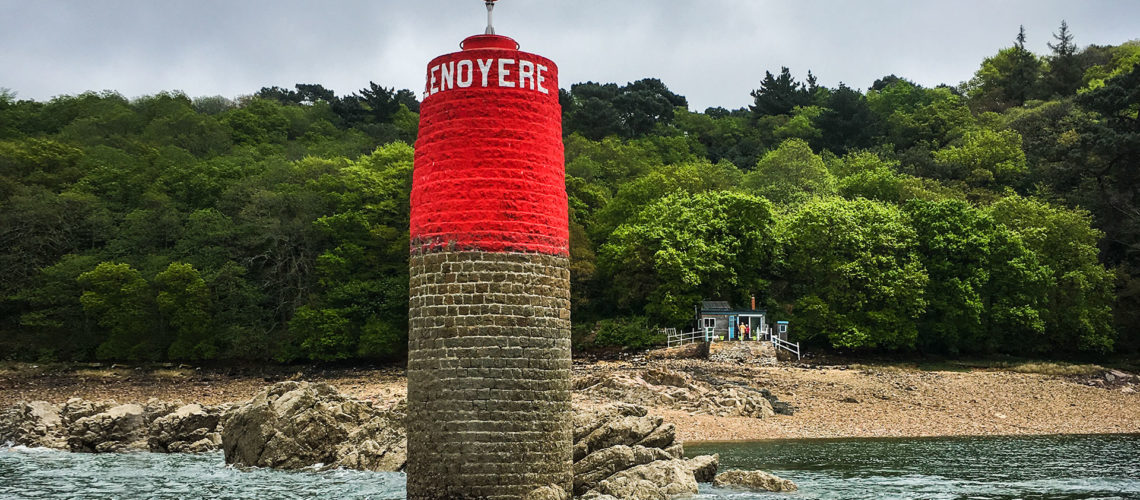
{"x":731,"y":327}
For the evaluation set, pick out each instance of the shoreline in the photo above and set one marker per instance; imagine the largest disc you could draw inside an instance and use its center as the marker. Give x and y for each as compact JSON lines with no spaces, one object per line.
{"x":831,"y":402}
{"x":907,"y":438}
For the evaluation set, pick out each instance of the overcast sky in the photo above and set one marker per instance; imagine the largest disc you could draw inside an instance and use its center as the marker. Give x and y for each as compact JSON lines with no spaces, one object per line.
{"x":711,"y":51}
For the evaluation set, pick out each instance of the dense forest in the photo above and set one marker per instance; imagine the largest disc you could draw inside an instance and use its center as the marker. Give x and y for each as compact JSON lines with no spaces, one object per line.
{"x":1000,"y":215}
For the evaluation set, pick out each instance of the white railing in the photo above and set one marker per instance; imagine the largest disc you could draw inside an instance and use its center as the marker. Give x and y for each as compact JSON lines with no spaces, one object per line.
{"x":676,"y":338}
{"x":787,"y":346}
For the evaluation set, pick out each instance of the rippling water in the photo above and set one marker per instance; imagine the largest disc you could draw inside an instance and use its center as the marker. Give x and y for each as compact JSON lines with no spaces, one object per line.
{"x":1044,"y":467}
{"x":1056,"y":467}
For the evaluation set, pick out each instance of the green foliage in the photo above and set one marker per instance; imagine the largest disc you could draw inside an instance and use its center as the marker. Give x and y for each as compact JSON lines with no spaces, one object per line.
{"x":1078,"y":314}
{"x":688,"y":246}
{"x":856,"y":280}
{"x":791,"y":173}
{"x":985,"y":157}
{"x":631,"y":333}
{"x":274,"y":227}
{"x":184,"y":301}
{"x":121,"y":300}
{"x":986,"y":289}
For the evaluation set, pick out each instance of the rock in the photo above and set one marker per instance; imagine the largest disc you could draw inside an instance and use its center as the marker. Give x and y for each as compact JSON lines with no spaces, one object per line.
{"x":292,"y":425}
{"x":1117,"y":376}
{"x":35,"y":424}
{"x":704,"y":467}
{"x":848,"y":399}
{"x":754,"y":480}
{"x":695,"y":350}
{"x":661,"y":437}
{"x":75,"y":409}
{"x":620,"y":431}
{"x":188,"y":429}
{"x":586,"y":422}
{"x":602,"y":464}
{"x":676,"y":451}
{"x":379,"y":445}
{"x":668,"y":477}
{"x":548,"y":493}
{"x":119,"y":428}
{"x":675,"y":389}
{"x":780,"y":407}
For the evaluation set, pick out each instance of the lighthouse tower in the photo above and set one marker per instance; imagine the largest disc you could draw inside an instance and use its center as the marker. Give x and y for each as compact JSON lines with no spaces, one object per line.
{"x":489,"y":338}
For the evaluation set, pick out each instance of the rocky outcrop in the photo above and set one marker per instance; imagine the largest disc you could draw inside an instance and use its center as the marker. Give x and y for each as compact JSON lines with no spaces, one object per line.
{"x":190,"y":428}
{"x":292,"y":425}
{"x":753,"y":480}
{"x":621,"y":451}
{"x":120,"y":428}
{"x":704,"y":467}
{"x":35,"y":424}
{"x":105,"y":426}
{"x":675,"y":389}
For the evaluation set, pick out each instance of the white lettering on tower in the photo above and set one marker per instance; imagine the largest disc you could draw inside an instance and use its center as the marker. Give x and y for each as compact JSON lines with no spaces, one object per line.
{"x":504,"y":73}
{"x":459,"y":73}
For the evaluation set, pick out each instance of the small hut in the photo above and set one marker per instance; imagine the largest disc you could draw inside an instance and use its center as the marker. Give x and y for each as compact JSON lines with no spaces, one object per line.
{"x":727,"y":322}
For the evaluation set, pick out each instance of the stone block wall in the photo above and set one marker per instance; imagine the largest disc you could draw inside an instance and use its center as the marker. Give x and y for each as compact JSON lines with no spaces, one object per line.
{"x":488,"y":374}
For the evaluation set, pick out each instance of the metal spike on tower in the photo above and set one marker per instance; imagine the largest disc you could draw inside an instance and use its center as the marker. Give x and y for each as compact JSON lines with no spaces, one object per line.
{"x":489,"y":336}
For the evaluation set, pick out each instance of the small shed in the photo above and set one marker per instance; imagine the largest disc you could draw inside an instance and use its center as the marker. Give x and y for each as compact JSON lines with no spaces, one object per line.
{"x":727,"y":322}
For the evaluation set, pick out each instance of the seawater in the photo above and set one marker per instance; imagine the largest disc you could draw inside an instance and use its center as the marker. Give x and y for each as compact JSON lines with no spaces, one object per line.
{"x":1049,"y":467}
{"x":1039,"y":467}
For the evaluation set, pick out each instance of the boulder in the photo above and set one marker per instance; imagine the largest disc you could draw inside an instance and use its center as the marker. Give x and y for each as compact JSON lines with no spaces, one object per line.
{"x":292,"y":425}
{"x":119,"y":428}
{"x":616,"y":431}
{"x":190,"y":428}
{"x":704,"y":467}
{"x":586,"y":421}
{"x":75,"y":409}
{"x":36,"y":424}
{"x":753,"y":480}
{"x":668,"y":477}
{"x":604,"y":463}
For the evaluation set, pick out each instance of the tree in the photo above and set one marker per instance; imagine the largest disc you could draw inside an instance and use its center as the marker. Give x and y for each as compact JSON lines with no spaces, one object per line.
{"x":847,"y":122}
{"x":184,"y":301}
{"x":790,"y":174}
{"x":1078,"y":315}
{"x":1007,"y":79}
{"x":985,"y":157}
{"x":686,"y":247}
{"x":632,"y":197}
{"x":780,"y":95}
{"x":986,"y":289}
{"x":1064,"y":74}
{"x":855,"y":280}
{"x":122,"y":302}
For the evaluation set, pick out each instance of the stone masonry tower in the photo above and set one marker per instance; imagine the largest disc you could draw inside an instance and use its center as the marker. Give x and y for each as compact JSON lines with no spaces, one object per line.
{"x":489,"y":339}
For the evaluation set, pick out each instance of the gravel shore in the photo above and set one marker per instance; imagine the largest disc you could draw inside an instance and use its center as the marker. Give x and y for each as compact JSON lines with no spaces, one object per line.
{"x":829,"y":402}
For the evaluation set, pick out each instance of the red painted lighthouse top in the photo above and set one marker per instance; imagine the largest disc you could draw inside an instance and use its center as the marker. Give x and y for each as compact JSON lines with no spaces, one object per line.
{"x":489,"y":169}
{"x":476,"y":42}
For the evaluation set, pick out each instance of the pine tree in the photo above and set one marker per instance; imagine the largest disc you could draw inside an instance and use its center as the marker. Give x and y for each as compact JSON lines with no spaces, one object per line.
{"x":1026,"y":69}
{"x":1064,"y":76}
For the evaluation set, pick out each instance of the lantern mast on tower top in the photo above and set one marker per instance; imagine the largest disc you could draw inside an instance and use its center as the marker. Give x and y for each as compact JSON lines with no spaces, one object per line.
{"x":490,"y":7}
